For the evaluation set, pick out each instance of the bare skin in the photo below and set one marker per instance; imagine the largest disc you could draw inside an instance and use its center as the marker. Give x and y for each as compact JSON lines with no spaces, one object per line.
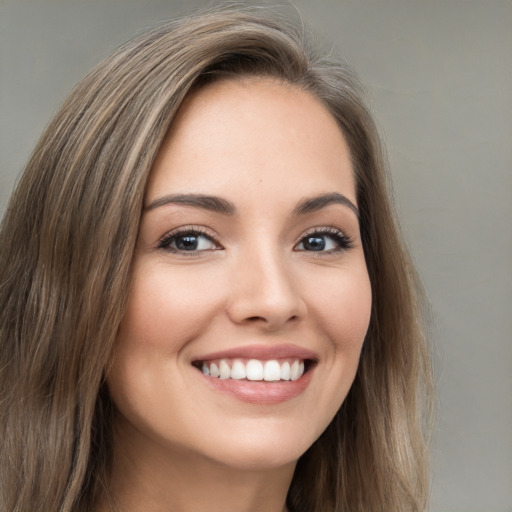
{"x":159,"y":486}
{"x":271,"y":268}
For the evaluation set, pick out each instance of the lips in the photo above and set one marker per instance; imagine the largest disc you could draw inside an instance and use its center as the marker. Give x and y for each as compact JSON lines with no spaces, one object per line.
{"x":259,"y":373}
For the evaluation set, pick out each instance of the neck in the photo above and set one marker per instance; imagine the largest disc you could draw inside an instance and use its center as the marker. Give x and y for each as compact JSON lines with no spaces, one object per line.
{"x":163,"y":479}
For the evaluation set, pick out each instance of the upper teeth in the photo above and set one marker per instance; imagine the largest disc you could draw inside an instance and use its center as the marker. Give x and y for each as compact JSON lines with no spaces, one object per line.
{"x":254,"y":369}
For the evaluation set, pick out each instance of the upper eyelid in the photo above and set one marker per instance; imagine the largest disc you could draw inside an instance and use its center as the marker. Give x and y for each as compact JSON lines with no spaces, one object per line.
{"x":202,"y":230}
{"x":324,"y":230}
{"x":176,"y":232}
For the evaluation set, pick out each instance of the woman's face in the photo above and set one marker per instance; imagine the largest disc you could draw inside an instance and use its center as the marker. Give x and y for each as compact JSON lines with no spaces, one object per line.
{"x":249,"y":263}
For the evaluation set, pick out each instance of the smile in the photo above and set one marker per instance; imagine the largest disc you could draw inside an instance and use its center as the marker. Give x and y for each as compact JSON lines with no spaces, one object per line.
{"x":254,"y":369}
{"x":258,"y":374}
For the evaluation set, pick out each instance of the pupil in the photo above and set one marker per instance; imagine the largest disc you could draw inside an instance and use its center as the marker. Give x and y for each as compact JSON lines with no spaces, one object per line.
{"x":187,"y":243}
{"x":314,"y":243}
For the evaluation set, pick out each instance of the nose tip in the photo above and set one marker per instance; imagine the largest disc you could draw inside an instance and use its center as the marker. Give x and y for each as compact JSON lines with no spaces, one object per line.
{"x":267,"y":297}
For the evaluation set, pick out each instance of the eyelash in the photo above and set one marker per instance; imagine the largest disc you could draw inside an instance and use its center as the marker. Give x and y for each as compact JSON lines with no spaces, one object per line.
{"x":197,"y":231}
{"x":342,"y":241}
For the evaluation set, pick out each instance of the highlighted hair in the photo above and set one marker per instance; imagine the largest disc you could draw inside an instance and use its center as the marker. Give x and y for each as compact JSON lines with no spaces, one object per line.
{"x":66,"y":245}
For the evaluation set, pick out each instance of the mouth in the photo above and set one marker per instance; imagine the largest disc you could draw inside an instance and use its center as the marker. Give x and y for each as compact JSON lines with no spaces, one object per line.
{"x":270,"y":370}
{"x":259,"y":374}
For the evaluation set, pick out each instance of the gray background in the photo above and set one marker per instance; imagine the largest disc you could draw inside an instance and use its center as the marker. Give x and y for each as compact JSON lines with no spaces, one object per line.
{"x":440,"y":77}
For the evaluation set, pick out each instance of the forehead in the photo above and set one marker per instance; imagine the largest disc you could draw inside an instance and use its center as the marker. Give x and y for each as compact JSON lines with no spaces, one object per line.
{"x":253,"y":132}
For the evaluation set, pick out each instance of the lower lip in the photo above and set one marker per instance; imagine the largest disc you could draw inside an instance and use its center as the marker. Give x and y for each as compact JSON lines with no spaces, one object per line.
{"x":261,"y":392}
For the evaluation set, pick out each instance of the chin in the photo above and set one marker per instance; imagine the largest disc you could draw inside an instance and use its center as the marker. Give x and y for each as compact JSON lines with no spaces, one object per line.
{"x":259,"y":459}
{"x":261,"y":448}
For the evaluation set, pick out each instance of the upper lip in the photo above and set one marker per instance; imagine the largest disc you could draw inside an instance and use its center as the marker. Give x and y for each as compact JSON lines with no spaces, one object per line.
{"x":262,"y":352}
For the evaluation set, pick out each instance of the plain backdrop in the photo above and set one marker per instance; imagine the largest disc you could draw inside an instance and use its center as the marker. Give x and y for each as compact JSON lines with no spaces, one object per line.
{"x":439,"y":74}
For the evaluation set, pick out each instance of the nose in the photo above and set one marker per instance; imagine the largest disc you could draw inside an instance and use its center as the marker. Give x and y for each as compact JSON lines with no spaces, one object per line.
{"x":264,"y":293}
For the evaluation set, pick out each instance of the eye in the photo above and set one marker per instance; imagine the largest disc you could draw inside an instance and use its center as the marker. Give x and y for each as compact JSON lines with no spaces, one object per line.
{"x":188,"y":240}
{"x":327,"y":240}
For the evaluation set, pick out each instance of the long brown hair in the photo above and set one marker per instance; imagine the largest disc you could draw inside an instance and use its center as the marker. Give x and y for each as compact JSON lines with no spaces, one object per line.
{"x":66,"y":245}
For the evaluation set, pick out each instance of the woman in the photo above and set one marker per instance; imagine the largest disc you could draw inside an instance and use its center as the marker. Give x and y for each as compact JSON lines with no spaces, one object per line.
{"x":205,"y":300}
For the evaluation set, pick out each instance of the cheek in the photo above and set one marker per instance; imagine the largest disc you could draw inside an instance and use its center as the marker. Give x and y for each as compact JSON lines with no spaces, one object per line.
{"x":340,"y":308}
{"x":343,"y":308}
{"x":164,"y":312}
{"x":166,"y":306}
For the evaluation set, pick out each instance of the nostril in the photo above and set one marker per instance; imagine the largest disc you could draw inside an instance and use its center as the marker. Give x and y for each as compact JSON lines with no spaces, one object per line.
{"x":261,"y":318}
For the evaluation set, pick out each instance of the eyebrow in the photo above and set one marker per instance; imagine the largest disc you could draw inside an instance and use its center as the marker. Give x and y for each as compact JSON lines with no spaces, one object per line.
{"x":212,"y":203}
{"x":316,"y":203}
{"x":225,"y":207}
